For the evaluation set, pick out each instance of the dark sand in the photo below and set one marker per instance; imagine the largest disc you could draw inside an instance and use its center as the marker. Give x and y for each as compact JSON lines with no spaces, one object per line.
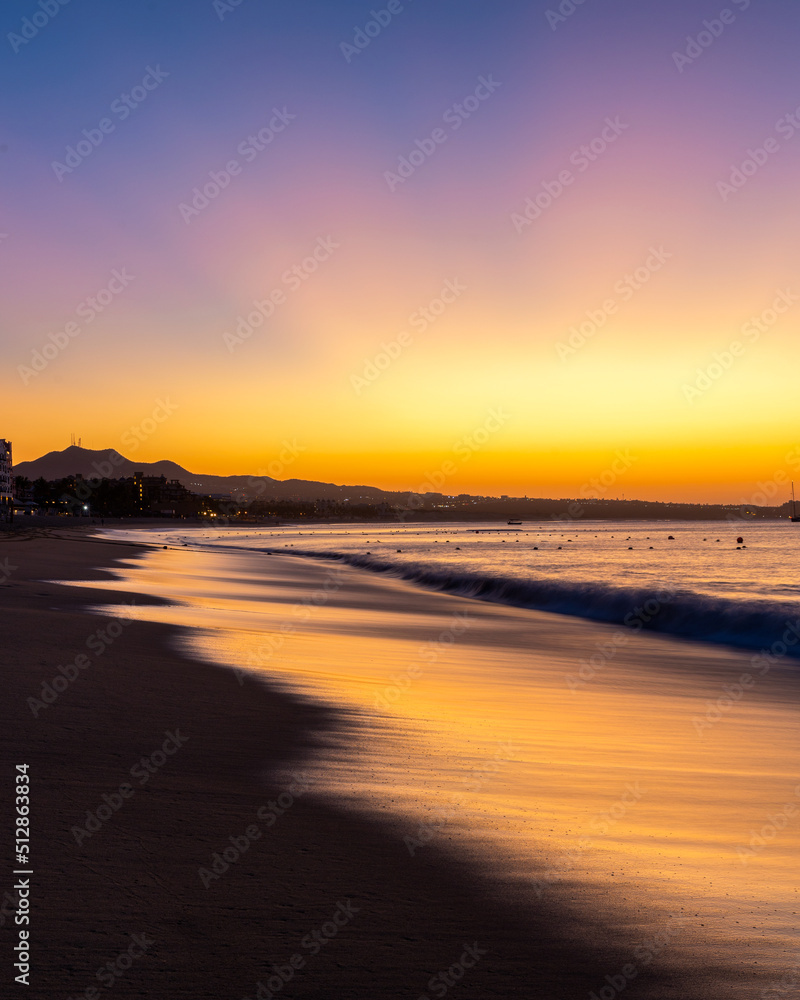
{"x":139,"y":874}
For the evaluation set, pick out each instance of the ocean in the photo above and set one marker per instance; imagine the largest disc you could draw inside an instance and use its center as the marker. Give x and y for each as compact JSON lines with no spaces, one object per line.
{"x":695,"y":580}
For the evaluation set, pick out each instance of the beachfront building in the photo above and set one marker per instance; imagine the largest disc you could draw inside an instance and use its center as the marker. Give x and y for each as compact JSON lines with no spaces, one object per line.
{"x":6,"y":481}
{"x":158,"y":495}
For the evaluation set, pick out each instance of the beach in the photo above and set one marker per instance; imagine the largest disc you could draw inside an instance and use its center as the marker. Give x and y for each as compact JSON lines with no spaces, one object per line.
{"x":399,"y":481}
{"x":302,"y":808}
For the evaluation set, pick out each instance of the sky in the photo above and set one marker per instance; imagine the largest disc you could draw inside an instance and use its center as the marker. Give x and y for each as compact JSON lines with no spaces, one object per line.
{"x":511,"y":248}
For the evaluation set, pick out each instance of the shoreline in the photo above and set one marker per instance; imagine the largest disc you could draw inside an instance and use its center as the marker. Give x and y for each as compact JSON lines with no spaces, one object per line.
{"x":756,"y":623}
{"x":94,"y":522}
{"x":616,"y":606}
{"x":138,"y":873}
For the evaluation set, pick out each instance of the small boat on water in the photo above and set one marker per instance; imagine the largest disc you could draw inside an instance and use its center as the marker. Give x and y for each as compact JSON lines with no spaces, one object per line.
{"x":793,"y":516}
{"x":515,"y":522}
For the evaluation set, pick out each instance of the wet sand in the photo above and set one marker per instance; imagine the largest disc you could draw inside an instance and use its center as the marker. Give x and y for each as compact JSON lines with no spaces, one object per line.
{"x":552,"y":924}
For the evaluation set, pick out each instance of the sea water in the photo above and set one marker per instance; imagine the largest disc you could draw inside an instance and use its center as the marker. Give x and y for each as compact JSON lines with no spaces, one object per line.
{"x":716,"y":581}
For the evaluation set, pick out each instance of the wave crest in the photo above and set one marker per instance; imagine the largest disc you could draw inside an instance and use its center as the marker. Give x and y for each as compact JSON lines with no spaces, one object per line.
{"x":767,"y":626}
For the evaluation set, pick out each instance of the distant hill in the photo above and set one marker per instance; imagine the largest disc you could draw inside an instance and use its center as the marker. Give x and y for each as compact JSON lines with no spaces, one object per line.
{"x":109,"y":463}
{"x":74,"y":460}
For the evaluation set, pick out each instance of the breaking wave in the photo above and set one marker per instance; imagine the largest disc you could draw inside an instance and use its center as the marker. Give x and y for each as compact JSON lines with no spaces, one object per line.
{"x":761,"y":625}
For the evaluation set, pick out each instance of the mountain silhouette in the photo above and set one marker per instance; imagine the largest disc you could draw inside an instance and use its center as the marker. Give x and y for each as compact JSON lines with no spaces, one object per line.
{"x":108,"y":463}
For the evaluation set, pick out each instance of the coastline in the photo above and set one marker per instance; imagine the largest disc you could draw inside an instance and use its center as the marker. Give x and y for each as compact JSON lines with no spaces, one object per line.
{"x":138,"y":873}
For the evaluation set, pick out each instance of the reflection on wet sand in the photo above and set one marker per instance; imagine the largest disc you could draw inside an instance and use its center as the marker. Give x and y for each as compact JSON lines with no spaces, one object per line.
{"x":460,"y":718}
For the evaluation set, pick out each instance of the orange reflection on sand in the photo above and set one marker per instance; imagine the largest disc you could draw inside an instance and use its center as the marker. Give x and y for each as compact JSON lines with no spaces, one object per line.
{"x":458,"y":714}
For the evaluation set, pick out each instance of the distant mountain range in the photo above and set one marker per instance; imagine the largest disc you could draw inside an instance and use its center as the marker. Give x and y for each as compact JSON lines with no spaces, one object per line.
{"x":110,"y":464}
